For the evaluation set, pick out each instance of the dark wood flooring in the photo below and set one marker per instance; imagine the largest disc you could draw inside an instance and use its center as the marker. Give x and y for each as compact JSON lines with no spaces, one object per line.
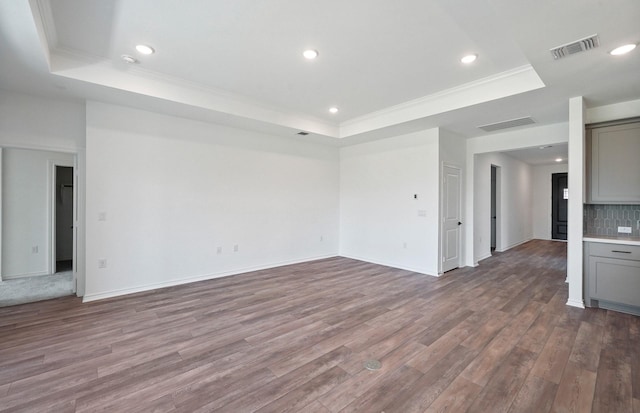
{"x":496,"y":338}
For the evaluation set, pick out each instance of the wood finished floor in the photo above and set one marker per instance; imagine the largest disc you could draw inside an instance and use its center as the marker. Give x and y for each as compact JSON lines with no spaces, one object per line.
{"x":496,"y":338}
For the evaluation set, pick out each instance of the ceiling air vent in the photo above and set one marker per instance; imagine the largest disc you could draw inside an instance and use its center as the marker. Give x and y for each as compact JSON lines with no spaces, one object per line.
{"x":578,"y":46}
{"x":303,"y":133}
{"x":507,"y":124}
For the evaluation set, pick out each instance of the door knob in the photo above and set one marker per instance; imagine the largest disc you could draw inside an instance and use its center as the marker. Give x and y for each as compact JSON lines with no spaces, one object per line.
{"x":459,"y":223}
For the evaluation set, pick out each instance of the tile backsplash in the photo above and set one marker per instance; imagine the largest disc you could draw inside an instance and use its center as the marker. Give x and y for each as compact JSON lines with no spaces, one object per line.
{"x":605,"y":219}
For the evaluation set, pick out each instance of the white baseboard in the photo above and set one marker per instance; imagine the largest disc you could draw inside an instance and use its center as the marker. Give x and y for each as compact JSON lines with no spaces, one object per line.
{"x":147,"y":287}
{"x":484,"y":257}
{"x":27,"y":275}
{"x":575,"y":303}
{"x":389,"y":264}
{"x":513,"y":245}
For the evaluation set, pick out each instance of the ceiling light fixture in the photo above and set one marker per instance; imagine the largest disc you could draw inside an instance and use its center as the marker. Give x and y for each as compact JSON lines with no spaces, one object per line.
{"x":558,"y":159}
{"x":470,"y":58}
{"x":144,"y":49}
{"x":310,"y":54}
{"x":333,"y":110}
{"x":128,"y":59}
{"x":622,"y":49}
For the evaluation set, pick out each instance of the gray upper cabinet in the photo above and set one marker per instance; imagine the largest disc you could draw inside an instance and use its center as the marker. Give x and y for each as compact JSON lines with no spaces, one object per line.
{"x":613,"y":164}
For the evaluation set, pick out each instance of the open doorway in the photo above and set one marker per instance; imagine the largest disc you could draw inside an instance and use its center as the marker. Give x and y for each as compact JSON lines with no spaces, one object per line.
{"x":63,"y":214}
{"x":495,"y":206}
{"x":559,"y":205}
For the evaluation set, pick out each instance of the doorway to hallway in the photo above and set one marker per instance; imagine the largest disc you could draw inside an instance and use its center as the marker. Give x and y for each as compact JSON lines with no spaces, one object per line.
{"x":559,"y":205}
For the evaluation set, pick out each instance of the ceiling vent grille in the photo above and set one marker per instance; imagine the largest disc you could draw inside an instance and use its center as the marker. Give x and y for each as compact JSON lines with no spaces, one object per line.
{"x":303,"y":133}
{"x":491,"y":127}
{"x":578,"y":46}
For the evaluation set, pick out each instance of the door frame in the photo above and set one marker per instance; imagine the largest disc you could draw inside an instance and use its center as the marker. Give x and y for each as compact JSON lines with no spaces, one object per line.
{"x":442,"y":217}
{"x":51,"y":189}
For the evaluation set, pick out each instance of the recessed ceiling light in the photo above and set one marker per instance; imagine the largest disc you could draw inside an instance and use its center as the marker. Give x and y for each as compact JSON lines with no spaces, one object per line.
{"x":470,"y":58}
{"x":333,"y":110}
{"x":622,"y":49}
{"x":128,"y":59}
{"x":558,"y":159}
{"x":144,"y":49}
{"x":310,"y":54}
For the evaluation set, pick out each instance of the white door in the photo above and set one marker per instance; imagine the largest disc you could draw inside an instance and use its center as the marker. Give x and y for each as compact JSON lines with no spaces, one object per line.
{"x":450,"y":218}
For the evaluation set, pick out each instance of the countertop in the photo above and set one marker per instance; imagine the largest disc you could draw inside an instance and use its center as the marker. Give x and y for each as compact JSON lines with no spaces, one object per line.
{"x":607,"y":239}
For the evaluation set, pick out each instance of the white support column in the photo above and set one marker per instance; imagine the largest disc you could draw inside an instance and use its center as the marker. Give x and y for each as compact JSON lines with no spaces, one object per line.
{"x":576,"y":200}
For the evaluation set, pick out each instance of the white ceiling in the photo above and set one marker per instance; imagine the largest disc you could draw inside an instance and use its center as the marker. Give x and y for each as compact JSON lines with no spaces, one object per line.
{"x":541,"y":155}
{"x":391,"y":67}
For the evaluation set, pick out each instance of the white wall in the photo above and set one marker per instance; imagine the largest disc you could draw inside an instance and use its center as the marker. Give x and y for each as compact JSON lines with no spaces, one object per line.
{"x":505,"y":141}
{"x":26,"y":210}
{"x":514,"y":204}
{"x":379,"y":220}
{"x":175,"y":190}
{"x":542,"y":198}
{"x":45,"y":124}
{"x":32,"y":122}
{"x":575,"y":204}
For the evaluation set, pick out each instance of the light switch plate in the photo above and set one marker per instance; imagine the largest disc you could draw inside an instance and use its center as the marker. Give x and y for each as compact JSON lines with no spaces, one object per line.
{"x":624,"y":230}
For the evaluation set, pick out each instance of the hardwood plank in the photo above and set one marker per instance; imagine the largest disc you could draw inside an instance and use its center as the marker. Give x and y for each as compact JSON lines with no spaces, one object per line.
{"x":539,"y":332}
{"x":364,"y":380}
{"x":483,"y":366}
{"x":535,"y":396}
{"x":383,"y":391}
{"x":586,"y":348}
{"x":300,"y":397}
{"x":280,"y":386}
{"x":575,"y":393}
{"x":613,"y":383}
{"x":554,"y":355}
{"x":457,"y":397}
{"x":419,"y":396}
{"x":501,"y":390}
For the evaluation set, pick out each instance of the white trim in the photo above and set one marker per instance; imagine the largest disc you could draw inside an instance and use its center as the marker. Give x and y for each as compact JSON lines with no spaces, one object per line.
{"x":513,"y":245}
{"x":26,"y":275}
{"x":147,"y":287}
{"x":387,"y":264}
{"x":38,"y":147}
{"x":482,"y":258}
{"x":575,"y":303}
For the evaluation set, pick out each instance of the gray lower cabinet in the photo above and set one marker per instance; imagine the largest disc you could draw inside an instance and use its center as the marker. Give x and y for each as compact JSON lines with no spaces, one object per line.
{"x":612,"y":276}
{"x":613,"y":168}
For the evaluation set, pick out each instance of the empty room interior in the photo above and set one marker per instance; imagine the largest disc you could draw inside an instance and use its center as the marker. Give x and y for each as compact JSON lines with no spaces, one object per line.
{"x":337,"y":206}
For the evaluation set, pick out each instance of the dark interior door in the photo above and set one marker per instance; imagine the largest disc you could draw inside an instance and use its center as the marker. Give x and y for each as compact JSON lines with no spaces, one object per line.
{"x":559,"y":196}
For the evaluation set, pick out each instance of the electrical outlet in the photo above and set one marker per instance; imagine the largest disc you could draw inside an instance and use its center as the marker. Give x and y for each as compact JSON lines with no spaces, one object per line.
{"x":404,"y":245}
{"x":102,"y":216}
{"x":102,"y":263}
{"x":34,"y":249}
{"x":235,"y":248}
{"x":219,"y":250}
{"x":422,"y":212}
{"x":624,"y":230}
